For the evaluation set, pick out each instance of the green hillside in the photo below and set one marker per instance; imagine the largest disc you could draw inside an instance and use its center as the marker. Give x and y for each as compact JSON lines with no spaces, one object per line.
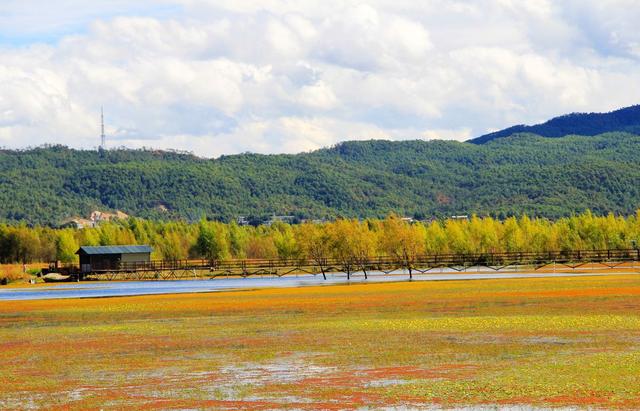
{"x":511,"y":175}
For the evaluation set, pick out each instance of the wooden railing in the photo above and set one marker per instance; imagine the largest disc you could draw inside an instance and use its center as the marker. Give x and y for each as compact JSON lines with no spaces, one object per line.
{"x":349,"y":264}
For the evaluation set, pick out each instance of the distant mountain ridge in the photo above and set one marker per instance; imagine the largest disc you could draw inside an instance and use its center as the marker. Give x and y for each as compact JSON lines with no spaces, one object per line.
{"x":626,"y":120}
{"x":519,"y":174}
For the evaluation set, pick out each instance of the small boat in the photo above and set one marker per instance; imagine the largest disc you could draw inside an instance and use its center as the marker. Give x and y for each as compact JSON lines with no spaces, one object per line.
{"x":56,"y":278}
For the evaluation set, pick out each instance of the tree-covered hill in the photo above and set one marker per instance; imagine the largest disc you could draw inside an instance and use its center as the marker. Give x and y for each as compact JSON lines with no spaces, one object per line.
{"x":514,"y":175}
{"x":626,"y":120}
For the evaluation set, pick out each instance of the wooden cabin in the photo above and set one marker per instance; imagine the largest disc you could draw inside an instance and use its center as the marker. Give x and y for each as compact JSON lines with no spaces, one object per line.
{"x":110,"y":257}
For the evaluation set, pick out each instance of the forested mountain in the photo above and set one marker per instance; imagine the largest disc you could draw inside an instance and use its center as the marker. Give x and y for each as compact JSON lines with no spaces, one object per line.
{"x":514,"y":175}
{"x":626,"y":120}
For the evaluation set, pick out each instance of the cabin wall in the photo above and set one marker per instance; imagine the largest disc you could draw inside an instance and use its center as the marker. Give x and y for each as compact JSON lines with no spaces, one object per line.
{"x":85,"y":263}
{"x":105,"y":261}
{"x":135,"y":257}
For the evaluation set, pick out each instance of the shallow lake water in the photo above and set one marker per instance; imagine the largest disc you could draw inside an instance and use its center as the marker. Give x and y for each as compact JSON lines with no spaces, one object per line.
{"x":96,"y":289}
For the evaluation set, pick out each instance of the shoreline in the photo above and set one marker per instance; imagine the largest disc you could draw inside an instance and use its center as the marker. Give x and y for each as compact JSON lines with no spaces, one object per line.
{"x":124,"y":288}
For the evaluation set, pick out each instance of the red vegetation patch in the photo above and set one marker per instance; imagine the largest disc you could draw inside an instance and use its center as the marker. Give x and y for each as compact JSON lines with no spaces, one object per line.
{"x":586,"y":399}
{"x":448,"y":371}
{"x":360,"y":378}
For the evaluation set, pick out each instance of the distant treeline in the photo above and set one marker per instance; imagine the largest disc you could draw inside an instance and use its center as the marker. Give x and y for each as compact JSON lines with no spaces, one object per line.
{"x":340,"y":239}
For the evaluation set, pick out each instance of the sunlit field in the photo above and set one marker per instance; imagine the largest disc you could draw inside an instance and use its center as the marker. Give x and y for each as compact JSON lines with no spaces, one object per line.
{"x":558,"y":342}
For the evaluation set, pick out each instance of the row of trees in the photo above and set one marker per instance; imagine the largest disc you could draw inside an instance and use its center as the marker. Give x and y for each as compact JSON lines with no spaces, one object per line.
{"x":341,"y":239}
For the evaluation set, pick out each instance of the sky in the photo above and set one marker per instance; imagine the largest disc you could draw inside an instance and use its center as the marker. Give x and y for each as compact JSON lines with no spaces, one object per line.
{"x":283,"y":76}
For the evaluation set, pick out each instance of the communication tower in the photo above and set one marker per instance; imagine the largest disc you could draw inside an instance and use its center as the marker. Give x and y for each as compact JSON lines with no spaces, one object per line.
{"x":103,"y":138}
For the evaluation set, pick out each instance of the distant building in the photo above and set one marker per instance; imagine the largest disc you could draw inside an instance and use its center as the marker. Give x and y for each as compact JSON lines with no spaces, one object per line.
{"x":459,"y":217}
{"x":242,"y":221}
{"x":288,"y":219}
{"x":110,"y":257}
{"x":314,"y":221}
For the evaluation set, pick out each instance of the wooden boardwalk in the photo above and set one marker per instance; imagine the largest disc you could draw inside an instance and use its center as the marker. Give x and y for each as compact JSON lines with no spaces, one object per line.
{"x":410,"y":265}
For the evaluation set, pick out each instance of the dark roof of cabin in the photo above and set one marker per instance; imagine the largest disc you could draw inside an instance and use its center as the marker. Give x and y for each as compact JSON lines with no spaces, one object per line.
{"x":115,"y":249}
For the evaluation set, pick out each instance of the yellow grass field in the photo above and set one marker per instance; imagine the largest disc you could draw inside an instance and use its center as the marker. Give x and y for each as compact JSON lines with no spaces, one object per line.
{"x":548,"y":342}
{"x":14,"y":272}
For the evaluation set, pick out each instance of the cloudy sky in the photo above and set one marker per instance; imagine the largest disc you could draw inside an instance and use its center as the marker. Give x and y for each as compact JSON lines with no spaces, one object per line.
{"x":271,"y":76}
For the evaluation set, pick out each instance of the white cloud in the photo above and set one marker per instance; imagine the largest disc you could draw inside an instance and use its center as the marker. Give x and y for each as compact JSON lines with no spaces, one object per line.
{"x":318,"y":95}
{"x":220,"y":77}
{"x":463,"y":133}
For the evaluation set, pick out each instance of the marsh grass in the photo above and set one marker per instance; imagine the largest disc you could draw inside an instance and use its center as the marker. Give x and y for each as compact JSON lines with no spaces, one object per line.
{"x":14,"y":272}
{"x":562,"y":342}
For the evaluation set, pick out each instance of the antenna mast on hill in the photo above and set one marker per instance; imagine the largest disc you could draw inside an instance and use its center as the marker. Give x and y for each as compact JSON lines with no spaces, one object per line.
{"x":103,"y":138}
